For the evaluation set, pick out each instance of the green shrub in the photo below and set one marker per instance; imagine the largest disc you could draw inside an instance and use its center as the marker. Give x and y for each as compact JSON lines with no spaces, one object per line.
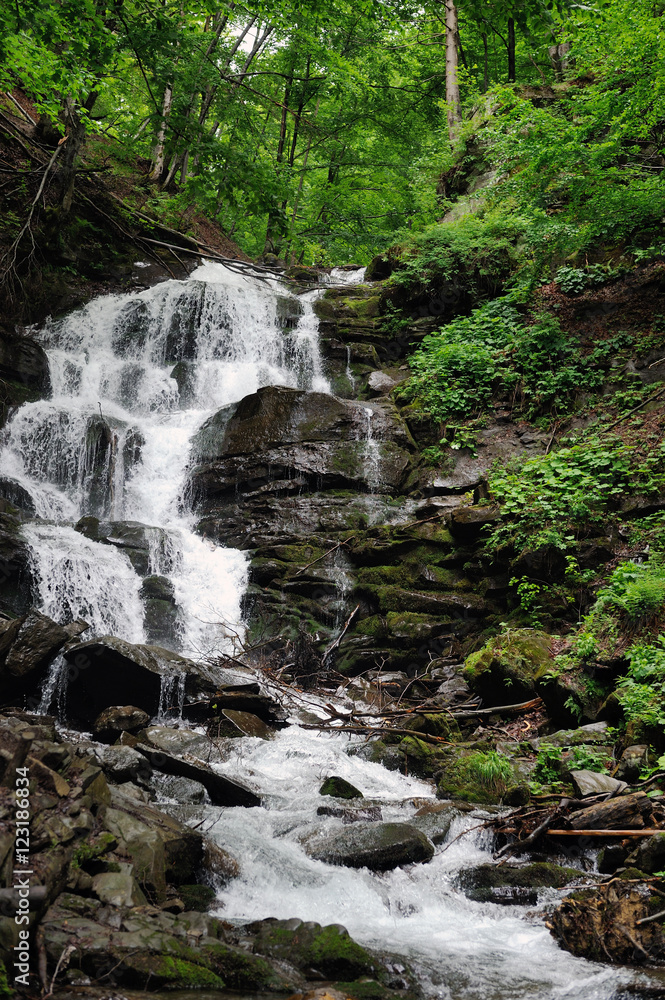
{"x":489,"y":769}
{"x":642,"y":692}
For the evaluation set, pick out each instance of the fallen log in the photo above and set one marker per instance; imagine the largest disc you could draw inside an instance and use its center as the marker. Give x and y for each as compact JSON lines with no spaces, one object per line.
{"x":606,"y":833}
{"x":624,"y":811}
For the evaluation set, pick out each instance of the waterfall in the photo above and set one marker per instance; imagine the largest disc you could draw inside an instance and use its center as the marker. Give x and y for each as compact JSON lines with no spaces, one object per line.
{"x":134,"y":376}
{"x":372,"y":452}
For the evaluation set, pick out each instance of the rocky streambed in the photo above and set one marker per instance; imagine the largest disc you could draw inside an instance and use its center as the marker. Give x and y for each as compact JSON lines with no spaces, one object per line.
{"x":239,"y":609}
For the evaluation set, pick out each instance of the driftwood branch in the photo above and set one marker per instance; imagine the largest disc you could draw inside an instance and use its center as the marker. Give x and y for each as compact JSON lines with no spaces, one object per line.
{"x":335,"y":645}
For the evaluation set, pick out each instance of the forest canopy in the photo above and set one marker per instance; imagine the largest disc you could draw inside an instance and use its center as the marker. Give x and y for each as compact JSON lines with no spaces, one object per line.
{"x":320,"y":132}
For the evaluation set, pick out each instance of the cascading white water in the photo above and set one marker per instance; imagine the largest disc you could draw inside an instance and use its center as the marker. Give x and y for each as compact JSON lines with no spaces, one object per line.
{"x":372,"y":452}
{"x":460,"y":950}
{"x":133,"y":377}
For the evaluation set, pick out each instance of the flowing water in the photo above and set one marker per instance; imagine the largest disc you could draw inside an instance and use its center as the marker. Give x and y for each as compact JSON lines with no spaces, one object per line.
{"x":134,"y":377}
{"x":459,"y":949}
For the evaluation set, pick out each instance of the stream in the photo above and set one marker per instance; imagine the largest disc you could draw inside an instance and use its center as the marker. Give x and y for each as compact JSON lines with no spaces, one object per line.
{"x":133,"y":378}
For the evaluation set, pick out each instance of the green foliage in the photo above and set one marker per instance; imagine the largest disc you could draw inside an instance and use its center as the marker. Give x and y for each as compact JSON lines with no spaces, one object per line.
{"x":478,"y":252}
{"x":642,"y":692}
{"x":545,"y":499}
{"x":457,"y":371}
{"x":548,"y":763}
{"x":637,"y":590}
{"x":489,"y":769}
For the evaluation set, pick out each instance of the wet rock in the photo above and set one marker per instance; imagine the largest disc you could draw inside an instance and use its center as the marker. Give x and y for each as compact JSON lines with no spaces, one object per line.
{"x":591,"y":783}
{"x":467,"y":523}
{"x":222,"y":790}
{"x":197,"y":897}
{"x":136,"y":540}
{"x":434,"y":820}
{"x":161,"y":611}
{"x":506,"y":884}
{"x":248,"y":724}
{"x":27,"y":647}
{"x":219,"y":862}
{"x":16,"y":575}
{"x":340,"y":788}
{"x":124,"y":764}
{"x":649,"y":856}
{"x":108,"y":726}
{"x":329,"y":951}
{"x":17,"y":495}
{"x":633,"y":760}
{"x":141,"y":946}
{"x":186,"y":741}
{"x":347,"y":814}
{"x":277,"y":434}
{"x":504,"y":671}
{"x":24,"y":370}
{"x":108,"y":667}
{"x":377,"y":846}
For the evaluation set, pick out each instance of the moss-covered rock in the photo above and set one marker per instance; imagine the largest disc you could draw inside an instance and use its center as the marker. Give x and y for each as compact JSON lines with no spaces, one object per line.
{"x":480,"y":883}
{"x":310,"y":947}
{"x":340,"y":788}
{"x":505,"y":669}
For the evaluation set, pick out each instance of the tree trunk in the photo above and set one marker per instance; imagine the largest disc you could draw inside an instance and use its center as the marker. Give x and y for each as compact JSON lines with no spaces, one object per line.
{"x":276,"y":227}
{"x":76,"y":132}
{"x":511,"y":50}
{"x":486,"y":73}
{"x":452,"y":85}
{"x":159,"y":152}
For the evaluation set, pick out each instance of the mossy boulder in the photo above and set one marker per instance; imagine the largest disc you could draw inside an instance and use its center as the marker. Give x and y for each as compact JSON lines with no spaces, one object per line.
{"x":494,"y":883}
{"x":340,"y":788}
{"x":504,"y":671}
{"x":478,"y":775}
{"x":328,"y":951}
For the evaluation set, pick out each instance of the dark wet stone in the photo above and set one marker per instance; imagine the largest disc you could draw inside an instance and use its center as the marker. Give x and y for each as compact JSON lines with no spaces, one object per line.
{"x":377,"y":846}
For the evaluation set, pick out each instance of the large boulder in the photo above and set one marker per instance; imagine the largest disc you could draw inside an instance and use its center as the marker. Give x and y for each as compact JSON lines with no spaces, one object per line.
{"x":103,"y":671}
{"x":222,"y":790}
{"x":24,"y":370}
{"x":291,"y":438}
{"x":27,"y":646}
{"x":138,"y":541}
{"x":142,"y":946}
{"x":377,"y":846}
{"x":504,"y":670}
{"x":308,"y":945}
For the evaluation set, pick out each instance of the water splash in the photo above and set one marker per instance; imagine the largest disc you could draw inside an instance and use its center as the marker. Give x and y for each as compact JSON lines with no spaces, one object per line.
{"x":134,"y":377}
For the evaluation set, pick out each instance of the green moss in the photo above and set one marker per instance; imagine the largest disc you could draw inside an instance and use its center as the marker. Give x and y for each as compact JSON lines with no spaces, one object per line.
{"x":375,"y":626}
{"x":339,"y":788}
{"x":178,"y":973}
{"x":197,"y":897}
{"x":241,"y":971}
{"x":507,"y":666}
{"x":5,"y":988}
{"x":478,"y":776}
{"x":337,"y":954}
{"x":435,"y":724}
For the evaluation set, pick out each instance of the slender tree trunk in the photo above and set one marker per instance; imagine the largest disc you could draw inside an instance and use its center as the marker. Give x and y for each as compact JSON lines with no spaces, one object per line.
{"x":452,"y":85}
{"x":486,"y":71}
{"x":275,"y":230}
{"x":511,"y":50}
{"x":159,"y":152}
{"x":76,"y":133}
